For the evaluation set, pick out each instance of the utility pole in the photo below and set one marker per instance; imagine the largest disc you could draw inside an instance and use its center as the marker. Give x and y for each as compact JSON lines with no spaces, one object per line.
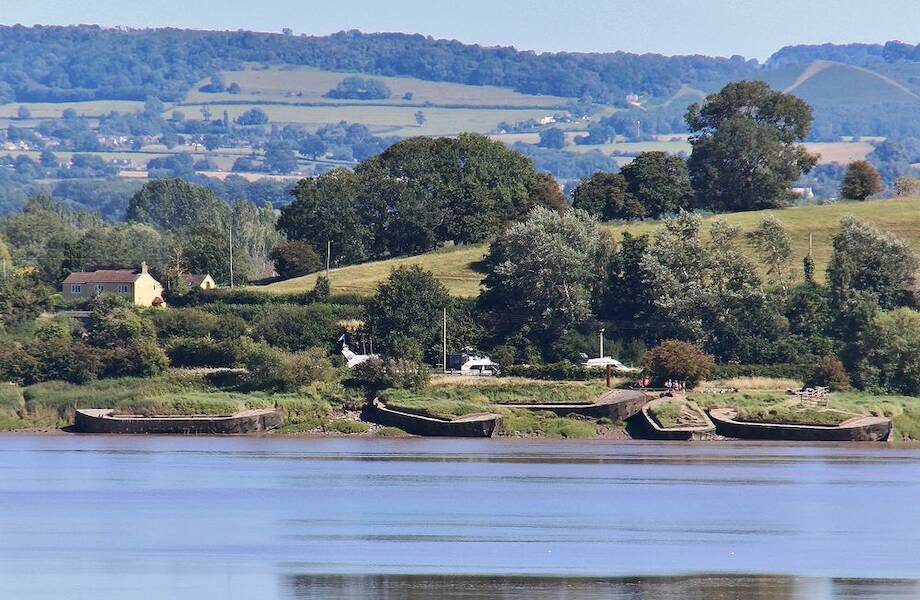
{"x":328,"y":254}
{"x":231,"y":255}
{"x":444,"y":340}
{"x":600,"y":340}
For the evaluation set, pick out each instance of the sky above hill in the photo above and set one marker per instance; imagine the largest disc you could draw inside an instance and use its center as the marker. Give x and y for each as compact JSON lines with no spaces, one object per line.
{"x":753,"y":28}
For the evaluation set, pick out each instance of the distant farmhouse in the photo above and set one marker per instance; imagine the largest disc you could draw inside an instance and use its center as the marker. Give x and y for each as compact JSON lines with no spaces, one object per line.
{"x":198,"y":280}
{"x":139,"y":286}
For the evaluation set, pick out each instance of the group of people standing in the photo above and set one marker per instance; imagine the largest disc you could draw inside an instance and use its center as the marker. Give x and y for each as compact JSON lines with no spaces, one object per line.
{"x":672,"y":385}
{"x":675,"y":385}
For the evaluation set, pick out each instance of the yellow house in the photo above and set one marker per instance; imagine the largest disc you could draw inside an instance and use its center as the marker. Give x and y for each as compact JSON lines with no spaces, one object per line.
{"x":198,"y":280}
{"x":139,"y":286}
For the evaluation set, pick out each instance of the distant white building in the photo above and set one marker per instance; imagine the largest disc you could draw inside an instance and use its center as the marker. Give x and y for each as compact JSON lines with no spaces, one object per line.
{"x":803,"y":192}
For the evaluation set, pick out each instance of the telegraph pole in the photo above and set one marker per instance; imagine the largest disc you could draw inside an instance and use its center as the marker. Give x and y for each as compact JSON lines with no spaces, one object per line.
{"x":444,"y":340}
{"x":600,"y":342}
{"x":328,"y":254}
{"x":231,"y":255}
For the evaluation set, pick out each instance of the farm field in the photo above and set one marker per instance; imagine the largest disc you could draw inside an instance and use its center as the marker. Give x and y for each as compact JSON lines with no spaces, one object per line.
{"x":52,"y":110}
{"x":840,"y":152}
{"x":383,"y":120}
{"x":454,"y":266}
{"x":308,"y":84}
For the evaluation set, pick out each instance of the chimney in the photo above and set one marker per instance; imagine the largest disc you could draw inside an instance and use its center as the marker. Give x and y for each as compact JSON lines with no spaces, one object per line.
{"x":143,"y":266}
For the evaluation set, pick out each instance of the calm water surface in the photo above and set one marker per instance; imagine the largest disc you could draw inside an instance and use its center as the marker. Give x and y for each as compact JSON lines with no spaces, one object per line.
{"x":166,"y":517}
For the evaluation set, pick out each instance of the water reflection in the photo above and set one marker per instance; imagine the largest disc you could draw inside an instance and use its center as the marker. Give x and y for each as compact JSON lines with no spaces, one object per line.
{"x":700,"y":587}
{"x":225,"y":518}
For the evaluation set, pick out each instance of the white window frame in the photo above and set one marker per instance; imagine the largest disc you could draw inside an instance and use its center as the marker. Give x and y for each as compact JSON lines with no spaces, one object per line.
{"x":123,"y":288}
{"x":76,"y":288}
{"x":99,"y":288}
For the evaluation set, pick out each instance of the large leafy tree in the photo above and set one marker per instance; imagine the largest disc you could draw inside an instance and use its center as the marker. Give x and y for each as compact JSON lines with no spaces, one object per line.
{"x":406,"y":312}
{"x":473,"y":184}
{"x":705,"y":292}
{"x":891,"y":347}
{"x":204,"y":249}
{"x":658,"y":182}
{"x":860,"y":181}
{"x":745,"y":151}
{"x":871,"y":262}
{"x":603,"y":196}
{"x":544,"y":272}
{"x":170,"y":204}
{"x":774,"y":250}
{"x":324,"y":211}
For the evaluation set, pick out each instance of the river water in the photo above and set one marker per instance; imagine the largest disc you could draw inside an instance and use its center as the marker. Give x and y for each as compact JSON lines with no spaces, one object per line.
{"x":180,"y":517}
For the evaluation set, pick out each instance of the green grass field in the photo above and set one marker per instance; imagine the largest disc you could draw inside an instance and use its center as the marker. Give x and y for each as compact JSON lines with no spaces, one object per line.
{"x":307,"y":84}
{"x":454,"y":266}
{"x":52,"y":110}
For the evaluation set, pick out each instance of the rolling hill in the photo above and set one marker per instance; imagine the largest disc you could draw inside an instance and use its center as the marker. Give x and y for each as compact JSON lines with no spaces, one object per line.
{"x":456,"y":267}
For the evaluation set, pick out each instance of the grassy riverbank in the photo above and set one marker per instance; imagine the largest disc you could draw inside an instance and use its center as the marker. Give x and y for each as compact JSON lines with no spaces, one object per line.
{"x":452,"y":397}
{"x":776,"y":406}
{"x":333,"y":408}
{"x":51,"y":405}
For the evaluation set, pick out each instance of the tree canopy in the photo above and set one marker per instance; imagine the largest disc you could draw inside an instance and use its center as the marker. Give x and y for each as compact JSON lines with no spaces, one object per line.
{"x":543,"y":273}
{"x":170,"y":204}
{"x":745,"y":154}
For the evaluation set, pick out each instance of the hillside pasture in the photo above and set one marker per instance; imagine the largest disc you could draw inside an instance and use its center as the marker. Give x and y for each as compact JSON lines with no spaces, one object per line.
{"x":309,"y":85}
{"x":455,"y":266}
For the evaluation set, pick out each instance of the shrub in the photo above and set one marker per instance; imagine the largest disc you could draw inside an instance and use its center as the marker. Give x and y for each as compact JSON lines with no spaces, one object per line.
{"x":294,"y":258}
{"x":305,"y":413}
{"x":322,"y":289}
{"x":831,"y":373}
{"x":348,"y":426}
{"x":229,"y":327}
{"x":559,"y":371}
{"x":141,"y":358}
{"x":775,"y":371}
{"x":184,"y":323}
{"x":202,"y":352}
{"x":270,"y":368}
{"x":378,"y":373}
{"x":673,"y":359}
{"x":46,"y":359}
{"x":296,"y":327}
{"x":391,"y":432}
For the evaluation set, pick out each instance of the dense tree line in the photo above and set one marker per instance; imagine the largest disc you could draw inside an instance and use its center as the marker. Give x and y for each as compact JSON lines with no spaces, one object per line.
{"x":417,"y":195}
{"x":89,"y":62}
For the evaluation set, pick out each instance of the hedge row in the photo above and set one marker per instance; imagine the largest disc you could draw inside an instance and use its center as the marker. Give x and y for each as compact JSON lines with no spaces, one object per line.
{"x":257,"y":297}
{"x":777,"y":371}
{"x":559,"y":371}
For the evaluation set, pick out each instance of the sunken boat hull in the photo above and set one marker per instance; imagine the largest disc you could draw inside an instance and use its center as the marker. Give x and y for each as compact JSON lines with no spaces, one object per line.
{"x":92,"y":420}
{"x":860,"y":429}
{"x":617,"y":405}
{"x":478,"y":425}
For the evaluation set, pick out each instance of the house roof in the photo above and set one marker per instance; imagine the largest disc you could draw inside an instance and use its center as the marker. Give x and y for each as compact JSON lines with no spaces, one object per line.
{"x":193,"y":279}
{"x":104,"y":276}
